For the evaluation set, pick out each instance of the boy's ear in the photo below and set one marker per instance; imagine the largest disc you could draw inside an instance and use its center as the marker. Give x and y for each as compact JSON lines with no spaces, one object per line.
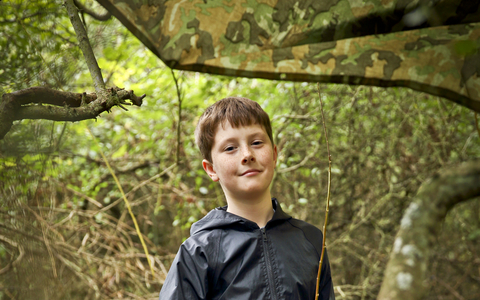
{"x":275,"y":154}
{"x":208,"y":167}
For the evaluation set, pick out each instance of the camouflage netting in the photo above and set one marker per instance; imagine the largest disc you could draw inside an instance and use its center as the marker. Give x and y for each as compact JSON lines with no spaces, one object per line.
{"x":431,"y":46}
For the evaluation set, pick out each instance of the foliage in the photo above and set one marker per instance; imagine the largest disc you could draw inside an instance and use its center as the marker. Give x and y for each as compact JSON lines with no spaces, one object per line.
{"x":38,"y":45}
{"x":61,"y":207}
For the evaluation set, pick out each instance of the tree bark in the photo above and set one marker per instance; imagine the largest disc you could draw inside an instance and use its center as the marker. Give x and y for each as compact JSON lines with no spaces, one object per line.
{"x":93,"y":14}
{"x":65,"y":106}
{"x":84,"y":44}
{"x":407,"y":268}
{"x":60,"y":106}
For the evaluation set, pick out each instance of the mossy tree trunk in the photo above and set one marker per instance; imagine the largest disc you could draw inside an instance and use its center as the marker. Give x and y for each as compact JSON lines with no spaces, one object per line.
{"x":407,"y":268}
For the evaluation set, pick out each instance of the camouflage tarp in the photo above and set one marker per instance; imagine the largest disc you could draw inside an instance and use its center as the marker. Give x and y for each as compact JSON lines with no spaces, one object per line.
{"x":432,"y":46}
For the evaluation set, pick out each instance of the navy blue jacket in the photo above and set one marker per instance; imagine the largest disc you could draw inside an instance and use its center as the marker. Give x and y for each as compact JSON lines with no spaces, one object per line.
{"x":229,"y":257}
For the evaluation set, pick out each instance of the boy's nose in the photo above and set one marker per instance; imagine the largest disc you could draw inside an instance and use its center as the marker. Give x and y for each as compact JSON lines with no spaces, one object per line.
{"x":248,"y":156}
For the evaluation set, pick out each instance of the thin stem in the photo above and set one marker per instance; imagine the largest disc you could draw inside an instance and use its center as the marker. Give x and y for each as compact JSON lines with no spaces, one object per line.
{"x":327,"y":206}
{"x":476,"y":124}
{"x":127,"y":204}
{"x":179,"y":96}
{"x":59,"y":140}
{"x":85,"y":46}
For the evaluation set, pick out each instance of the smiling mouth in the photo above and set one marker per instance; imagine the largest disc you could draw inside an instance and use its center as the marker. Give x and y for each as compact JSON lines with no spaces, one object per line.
{"x":250,"y":172}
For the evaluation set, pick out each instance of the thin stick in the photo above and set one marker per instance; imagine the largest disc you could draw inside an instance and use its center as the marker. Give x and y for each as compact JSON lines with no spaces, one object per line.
{"x":179,"y":95}
{"x":476,"y":124}
{"x":85,"y":46}
{"x":324,"y":247}
{"x":127,"y":204}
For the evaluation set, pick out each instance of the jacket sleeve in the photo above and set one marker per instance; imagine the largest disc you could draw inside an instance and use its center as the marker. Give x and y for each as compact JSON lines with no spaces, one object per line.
{"x":326,"y":284}
{"x":315,"y":237}
{"x":187,"y":277}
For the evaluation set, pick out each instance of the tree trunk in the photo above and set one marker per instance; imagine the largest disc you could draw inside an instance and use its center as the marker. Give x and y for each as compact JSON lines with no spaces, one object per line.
{"x":407,"y":268}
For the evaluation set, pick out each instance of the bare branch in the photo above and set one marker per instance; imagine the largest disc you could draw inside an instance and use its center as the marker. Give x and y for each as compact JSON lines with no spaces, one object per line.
{"x":89,"y":199}
{"x":179,"y":125}
{"x":65,"y":106}
{"x":407,"y":268}
{"x":68,"y":106}
{"x":84,"y":44}
{"x":327,"y":205}
{"x":18,"y":259}
{"x":91,"y":13}
{"x":45,"y":95}
{"x":141,"y":184}
{"x":476,"y":124}
{"x":301,"y":117}
{"x":300,"y":164}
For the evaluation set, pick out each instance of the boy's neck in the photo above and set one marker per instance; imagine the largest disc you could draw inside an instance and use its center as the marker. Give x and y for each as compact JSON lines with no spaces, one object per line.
{"x":259,"y":210}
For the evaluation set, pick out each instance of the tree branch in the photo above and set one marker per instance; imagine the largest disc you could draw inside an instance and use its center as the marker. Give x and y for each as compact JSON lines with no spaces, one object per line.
{"x":65,"y":106}
{"x":17,"y":260}
{"x":91,"y":13}
{"x":476,"y":124}
{"x":407,"y":268}
{"x":327,"y":205}
{"x":300,"y":164}
{"x":43,"y":95}
{"x":84,"y":44}
{"x":179,"y":124}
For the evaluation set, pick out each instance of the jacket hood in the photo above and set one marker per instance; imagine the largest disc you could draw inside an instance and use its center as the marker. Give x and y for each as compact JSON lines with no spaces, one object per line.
{"x":220,"y":218}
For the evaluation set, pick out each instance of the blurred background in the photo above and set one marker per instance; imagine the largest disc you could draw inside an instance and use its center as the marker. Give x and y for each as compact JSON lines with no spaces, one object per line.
{"x":65,"y":232}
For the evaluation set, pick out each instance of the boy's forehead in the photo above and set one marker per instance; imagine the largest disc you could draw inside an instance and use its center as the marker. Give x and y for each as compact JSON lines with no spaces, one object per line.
{"x":225,"y":129}
{"x":226,"y":124}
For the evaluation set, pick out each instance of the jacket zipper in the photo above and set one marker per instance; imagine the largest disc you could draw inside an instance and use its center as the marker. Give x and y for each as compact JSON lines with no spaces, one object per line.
{"x":269,"y":265}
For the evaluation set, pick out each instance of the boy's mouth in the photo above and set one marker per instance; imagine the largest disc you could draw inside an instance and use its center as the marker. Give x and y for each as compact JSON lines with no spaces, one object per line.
{"x":250,"y":172}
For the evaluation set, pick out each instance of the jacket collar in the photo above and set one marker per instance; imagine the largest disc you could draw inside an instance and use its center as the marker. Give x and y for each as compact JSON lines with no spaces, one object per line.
{"x":220,"y":218}
{"x":279,"y":214}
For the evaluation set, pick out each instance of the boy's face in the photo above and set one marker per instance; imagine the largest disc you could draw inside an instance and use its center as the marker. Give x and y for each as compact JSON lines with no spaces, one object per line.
{"x":243,"y":159}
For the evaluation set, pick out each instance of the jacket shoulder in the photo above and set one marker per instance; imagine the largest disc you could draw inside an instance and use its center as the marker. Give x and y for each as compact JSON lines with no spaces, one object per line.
{"x":205,"y":239}
{"x":313,"y":235}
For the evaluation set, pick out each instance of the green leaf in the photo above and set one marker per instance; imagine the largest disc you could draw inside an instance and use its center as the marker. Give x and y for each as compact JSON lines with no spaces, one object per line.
{"x":120,"y":152}
{"x":474,"y":235}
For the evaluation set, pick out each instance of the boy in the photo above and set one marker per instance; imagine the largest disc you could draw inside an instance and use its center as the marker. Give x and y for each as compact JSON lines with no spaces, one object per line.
{"x":249,"y":249}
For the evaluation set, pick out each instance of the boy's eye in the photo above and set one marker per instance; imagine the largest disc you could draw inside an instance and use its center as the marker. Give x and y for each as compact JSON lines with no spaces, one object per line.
{"x":257,"y":143}
{"x":230,"y":148}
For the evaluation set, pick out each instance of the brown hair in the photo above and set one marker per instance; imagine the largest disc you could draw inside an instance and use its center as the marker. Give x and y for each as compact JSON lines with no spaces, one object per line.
{"x":237,"y":111}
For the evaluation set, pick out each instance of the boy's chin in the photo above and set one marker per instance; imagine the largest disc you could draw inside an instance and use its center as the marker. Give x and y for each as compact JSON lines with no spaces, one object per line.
{"x":249,"y":193}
